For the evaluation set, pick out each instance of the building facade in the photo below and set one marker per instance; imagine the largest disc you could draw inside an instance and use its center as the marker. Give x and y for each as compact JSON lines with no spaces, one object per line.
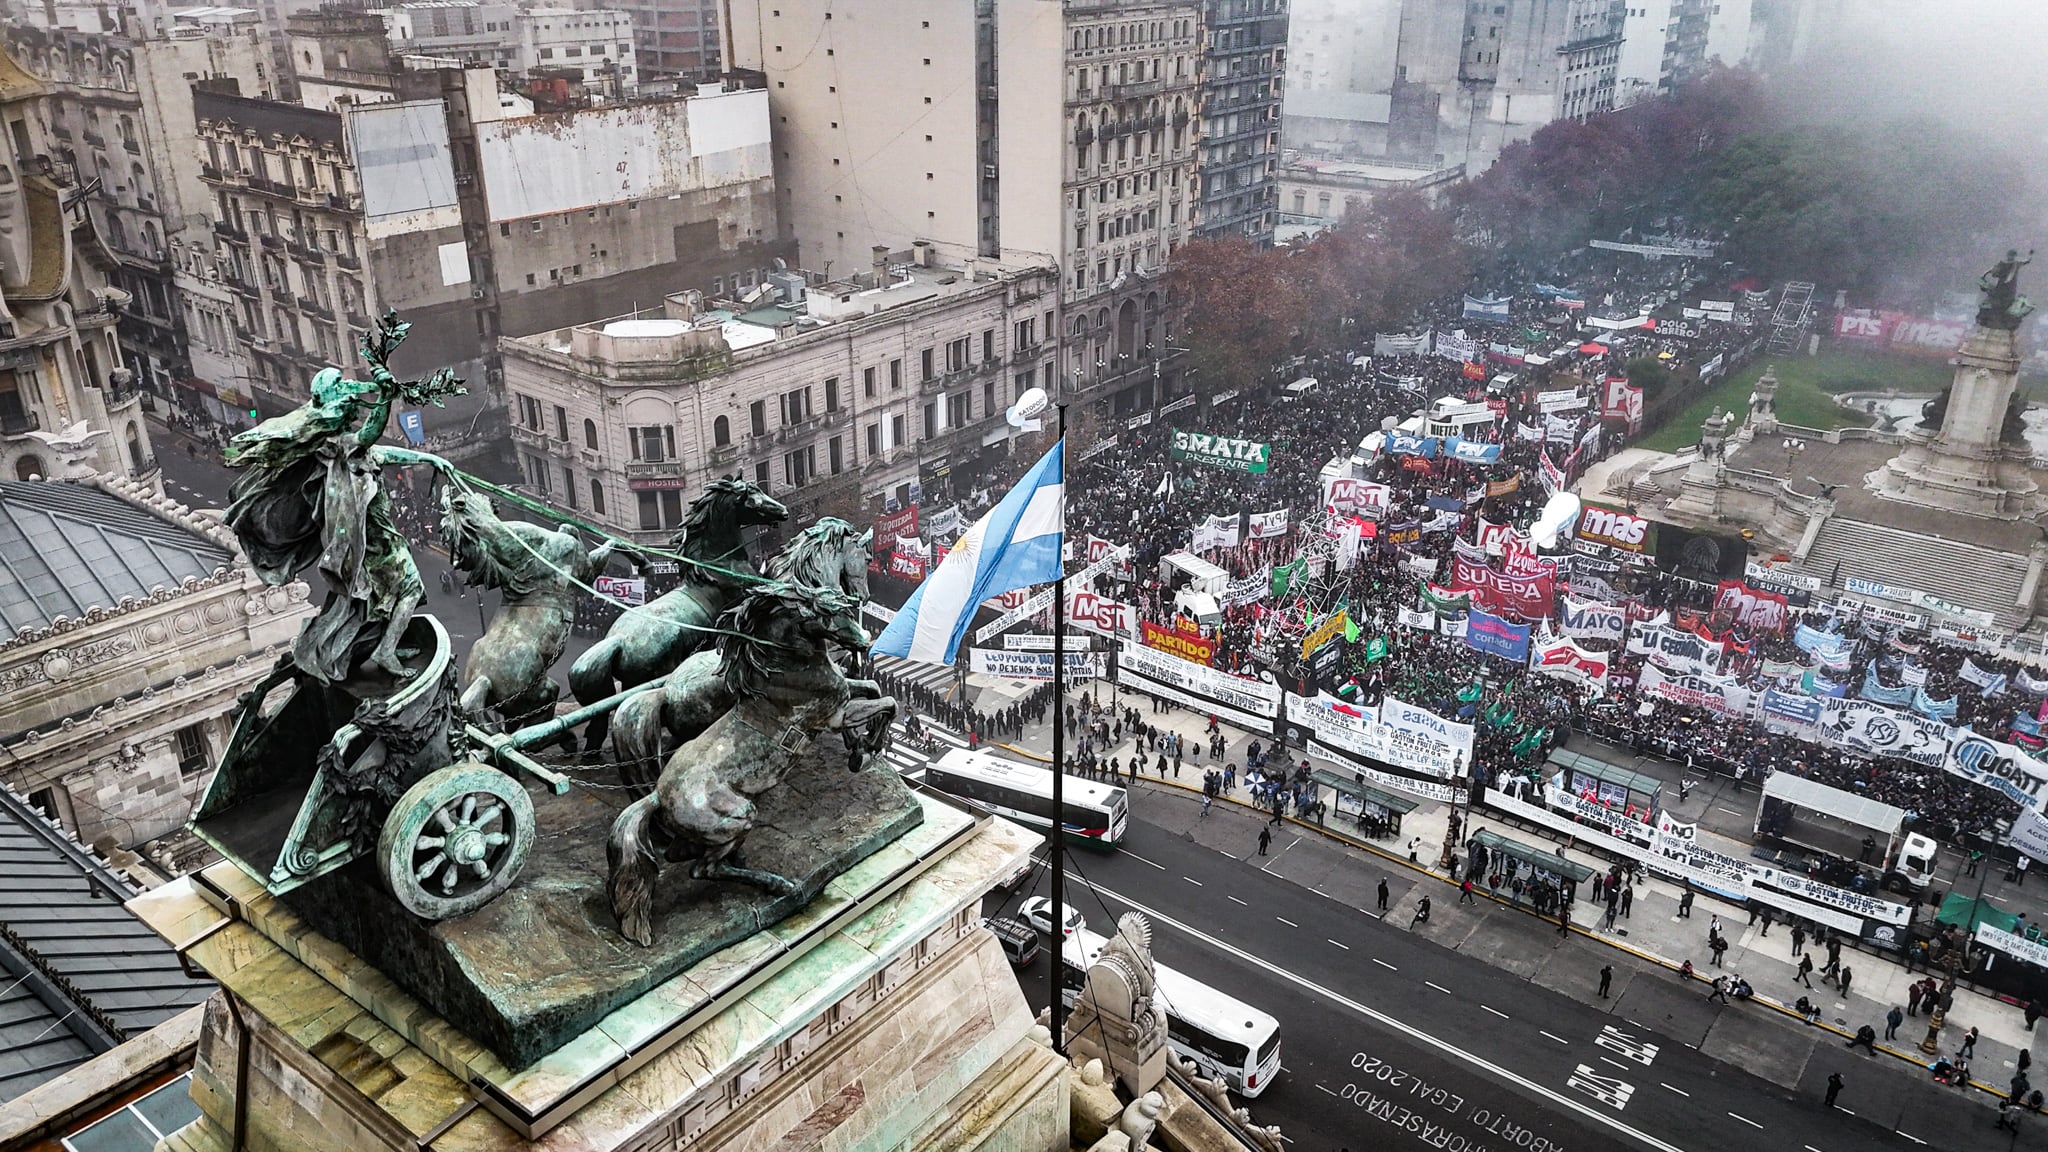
{"x":119,"y":111}
{"x":1244,"y":67}
{"x":678,"y":39}
{"x":68,"y":403}
{"x":133,"y":629}
{"x":836,"y":396}
{"x":594,"y":43}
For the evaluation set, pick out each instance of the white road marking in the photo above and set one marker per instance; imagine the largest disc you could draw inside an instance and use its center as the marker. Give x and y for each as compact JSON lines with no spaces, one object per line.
{"x":1616,"y":1063}
{"x":1142,"y":860}
{"x":1669,"y":1088}
{"x":1345,"y":947}
{"x":1496,"y":1011}
{"x":1559,"y":1039}
{"x":1286,"y":921}
{"x":1810,"y":1148}
{"x":1235,"y":900}
{"x":1438,"y":987}
{"x":1757,"y":1126}
{"x":1910,"y":1136}
{"x":1384,"y":964}
{"x":1725,"y":808}
{"x":1192,"y":880}
{"x":1321,"y":1088}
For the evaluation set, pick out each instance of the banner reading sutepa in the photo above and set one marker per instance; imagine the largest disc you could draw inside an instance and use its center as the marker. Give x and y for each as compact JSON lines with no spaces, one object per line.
{"x":1221,"y":451}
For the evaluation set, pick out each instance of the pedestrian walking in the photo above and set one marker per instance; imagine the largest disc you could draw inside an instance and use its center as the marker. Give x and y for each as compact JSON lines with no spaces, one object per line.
{"x":1564,"y":919}
{"x":1798,"y":940}
{"x":1265,"y":840}
{"x":1465,"y":895}
{"x":2033,"y":1012}
{"x":1719,"y":991}
{"x":1718,"y":945}
{"x":1628,"y":898}
{"x":1834,"y":1088}
{"x":1913,"y":1000}
{"x":1843,"y":986}
{"x":1606,"y":979}
{"x":1685,"y":905}
{"x":1421,"y":913}
{"x":1609,"y":916}
{"x":2020,"y":871}
{"x":1713,"y":925}
{"x":1892,"y":1020}
{"x":1805,"y":975}
{"x":1766,"y":931}
{"x":1383,"y":893}
{"x":1969,"y":1048}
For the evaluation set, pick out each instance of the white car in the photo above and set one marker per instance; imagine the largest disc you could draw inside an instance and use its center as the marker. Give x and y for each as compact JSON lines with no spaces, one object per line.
{"x":1037,"y":912}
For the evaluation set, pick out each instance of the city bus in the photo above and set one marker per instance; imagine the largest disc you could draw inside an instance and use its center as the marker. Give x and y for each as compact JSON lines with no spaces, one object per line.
{"x":1096,"y":813}
{"x":1226,"y":1038}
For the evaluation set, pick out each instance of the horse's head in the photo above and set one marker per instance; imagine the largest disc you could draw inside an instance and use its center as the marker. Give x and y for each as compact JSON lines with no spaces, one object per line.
{"x":779,"y":628}
{"x":714,"y":521}
{"x":464,"y":517}
{"x":828,"y":554}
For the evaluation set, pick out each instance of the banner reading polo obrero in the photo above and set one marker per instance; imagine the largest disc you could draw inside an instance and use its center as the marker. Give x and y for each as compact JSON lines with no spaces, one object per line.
{"x":1248,"y":704}
{"x":1221,"y":451}
{"x":1567,"y":661}
{"x":1015,"y":546}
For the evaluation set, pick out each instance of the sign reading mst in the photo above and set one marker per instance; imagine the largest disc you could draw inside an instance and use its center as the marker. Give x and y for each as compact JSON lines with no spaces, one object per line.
{"x":1221,"y":451}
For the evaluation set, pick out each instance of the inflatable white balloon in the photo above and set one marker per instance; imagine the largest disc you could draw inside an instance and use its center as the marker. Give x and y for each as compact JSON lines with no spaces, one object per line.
{"x":1558,"y":517}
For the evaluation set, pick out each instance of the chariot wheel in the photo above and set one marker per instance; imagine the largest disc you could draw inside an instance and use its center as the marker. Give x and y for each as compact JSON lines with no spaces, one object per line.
{"x":456,"y":840}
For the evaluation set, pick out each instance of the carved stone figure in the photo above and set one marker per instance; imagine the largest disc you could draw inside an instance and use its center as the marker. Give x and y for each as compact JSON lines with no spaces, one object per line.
{"x":313,"y":494}
{"x":648,"y":641}
{"x":1117,"y":1015}
{"x":2001,"y":305}
{"x":540,"y":573}
{"x":775,"y":650}
{"x":1141,"y":1119}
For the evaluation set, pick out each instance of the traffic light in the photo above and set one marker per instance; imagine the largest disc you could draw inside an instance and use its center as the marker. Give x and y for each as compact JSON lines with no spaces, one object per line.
{"x":252,"y":414}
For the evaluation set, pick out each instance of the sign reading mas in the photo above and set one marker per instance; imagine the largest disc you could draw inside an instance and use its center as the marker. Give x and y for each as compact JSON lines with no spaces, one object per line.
{"x":1616,"y":529}
{"x":1221,"y":451}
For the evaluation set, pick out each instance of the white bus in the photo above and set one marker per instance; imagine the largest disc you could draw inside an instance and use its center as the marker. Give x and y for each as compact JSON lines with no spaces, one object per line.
{"x":1226,"y":1038}
{"x":1096,"y":813}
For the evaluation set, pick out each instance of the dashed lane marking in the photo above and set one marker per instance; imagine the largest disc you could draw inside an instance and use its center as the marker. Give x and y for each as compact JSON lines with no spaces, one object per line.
{"x":1345,"y":947}
{"x":1286,"y":921}
{"x":1669,"y":1088}
{"x":1559,"y":1039}
{"x":1616,"y":1063}
{"x":1909,"y":1136}
{"x":1235,"y":900}
{"x":1755,"y":1125}
{"x":1192,"y":880}
{"x":1438,"y":987}
{"x":1319,"y":1087}
{"x":1384,"y":964}
{"x":1496,"y":1011}
{"x":1142,"y":860}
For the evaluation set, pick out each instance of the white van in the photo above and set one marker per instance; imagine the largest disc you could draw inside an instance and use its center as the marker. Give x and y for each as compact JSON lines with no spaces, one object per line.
{"x":1197,"y":586}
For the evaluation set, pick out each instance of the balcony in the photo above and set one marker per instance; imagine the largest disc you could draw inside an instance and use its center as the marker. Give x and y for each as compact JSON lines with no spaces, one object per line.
{"x":93,"y":139}
{"x":209,"y":172}
{"x":653,"y":469}
{"x":268,"y":187}
{"x":132,"y":145}
{"x":726,"y":454}
{"x":348,"y":262}
{"x":19,"y":423}
{"x":313,"y":307}
{"x":531,"y":437}
{"x":273,"y":241}
{"x":357,"y":319}
{"x":227,"y":231}
{"x":241,"y":287}
{"x":344,"y":201}
{"x":119,"y":389}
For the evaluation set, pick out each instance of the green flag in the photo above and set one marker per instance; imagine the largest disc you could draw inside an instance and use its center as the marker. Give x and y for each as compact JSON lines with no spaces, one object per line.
{"x":1351,"y":630}
{"x":1471,"y":692}
{"x":1376,"y":650}
{"x":1530,"y":742}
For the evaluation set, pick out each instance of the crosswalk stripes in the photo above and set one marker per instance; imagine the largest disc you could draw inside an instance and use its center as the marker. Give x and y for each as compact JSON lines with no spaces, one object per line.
{"x":939,"y":679}
{"x":907,"y":757}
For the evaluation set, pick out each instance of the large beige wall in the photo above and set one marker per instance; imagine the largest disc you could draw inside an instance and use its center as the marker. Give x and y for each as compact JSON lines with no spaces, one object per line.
{"x":1031,"y":125}
{"x":872,"y":109}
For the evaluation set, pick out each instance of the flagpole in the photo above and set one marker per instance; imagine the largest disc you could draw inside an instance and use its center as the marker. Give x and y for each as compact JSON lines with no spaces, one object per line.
{"x":1059,"y":765}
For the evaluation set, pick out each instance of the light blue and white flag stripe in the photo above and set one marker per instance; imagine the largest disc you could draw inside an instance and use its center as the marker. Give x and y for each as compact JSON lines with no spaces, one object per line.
{"x":1015,"y":546}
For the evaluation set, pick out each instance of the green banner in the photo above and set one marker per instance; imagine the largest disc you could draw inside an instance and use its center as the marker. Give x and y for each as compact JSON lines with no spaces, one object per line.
{"x":1221,"y":451}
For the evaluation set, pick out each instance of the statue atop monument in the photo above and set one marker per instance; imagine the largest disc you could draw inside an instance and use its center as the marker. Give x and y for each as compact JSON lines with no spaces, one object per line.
{"x":314,"y":495}
{"x":2002,"y":306}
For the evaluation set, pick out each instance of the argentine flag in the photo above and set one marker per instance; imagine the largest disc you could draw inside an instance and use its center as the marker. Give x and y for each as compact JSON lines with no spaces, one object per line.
{"x":1015,"y":546}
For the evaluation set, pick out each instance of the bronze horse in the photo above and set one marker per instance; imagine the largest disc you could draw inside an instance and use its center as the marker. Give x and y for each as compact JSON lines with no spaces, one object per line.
{"x":775,"y":658}
{"x":649,"y":641}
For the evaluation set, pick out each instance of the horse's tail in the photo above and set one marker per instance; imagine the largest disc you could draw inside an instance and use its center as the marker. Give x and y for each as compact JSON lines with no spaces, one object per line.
{"x":634,"y":867}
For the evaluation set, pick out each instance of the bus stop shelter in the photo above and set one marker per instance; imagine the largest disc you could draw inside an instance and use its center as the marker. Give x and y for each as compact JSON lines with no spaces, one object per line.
{"x":1366,"y":805}
{"x":1608,"y":784}
{"x":1541,"y":859}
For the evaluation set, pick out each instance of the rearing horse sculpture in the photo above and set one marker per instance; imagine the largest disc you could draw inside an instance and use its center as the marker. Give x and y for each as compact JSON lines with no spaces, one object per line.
{"x":830,"y":554}
{"x":776,"y":661}
{"x":649,"y":641}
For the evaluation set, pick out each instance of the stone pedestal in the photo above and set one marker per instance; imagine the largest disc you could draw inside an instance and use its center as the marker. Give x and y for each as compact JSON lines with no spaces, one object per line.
{"x":882,"y":1016}
{"x":1967,"y":465}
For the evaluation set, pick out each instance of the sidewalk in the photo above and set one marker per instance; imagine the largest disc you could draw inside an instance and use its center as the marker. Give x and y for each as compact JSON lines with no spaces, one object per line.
{"x":1335,"y":863}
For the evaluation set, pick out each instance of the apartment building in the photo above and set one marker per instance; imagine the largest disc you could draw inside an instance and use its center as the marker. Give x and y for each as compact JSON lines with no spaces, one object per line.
{"x":69,"y":405}
{"x":117,"y":111}
{"x":595,"y":45}
{"x":1064,"y":133}
{"x":677,"y":39}
{"x":838,"y":396}
{"x":1244,"y":64}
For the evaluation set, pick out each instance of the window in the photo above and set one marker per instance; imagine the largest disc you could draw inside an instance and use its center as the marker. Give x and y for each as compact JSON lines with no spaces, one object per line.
{"x":959,"y":408}
{"x":537,"y":472}
{"x":721,"y":432}
{"x":193,"y":755}
{"x":654,"y":443}
{"x":529,"y":412}
{"x":561,"y":423}
{"x":930,"y":363}
{"x":896,"y":423}
{"x":831,"y":393}
{"x":874,"y":440}
{"x":590,"y":435}
{"x":761,"y":475}
{"x":596,"y":496}
{"x":796,"y":406}
{"x":988,"y":398}
{"x":757,"y":417}
{"x":1021,"y":336}
{"x":835,"y":453}
{"x":895,"y":374}
{"x":799,"y":466}
{"x":569,"y":485}
{"x":867,"y":383}
{"x":660,"y":510}
{"x":957,"y":354}
{"x":931,"y":421}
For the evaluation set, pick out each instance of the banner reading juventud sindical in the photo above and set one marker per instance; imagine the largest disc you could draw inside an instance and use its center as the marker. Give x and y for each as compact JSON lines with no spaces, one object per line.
{"x":1221,"y":451}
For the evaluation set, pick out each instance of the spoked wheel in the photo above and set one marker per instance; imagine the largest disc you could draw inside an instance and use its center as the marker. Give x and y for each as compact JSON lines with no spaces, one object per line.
{"x":456,"y":840}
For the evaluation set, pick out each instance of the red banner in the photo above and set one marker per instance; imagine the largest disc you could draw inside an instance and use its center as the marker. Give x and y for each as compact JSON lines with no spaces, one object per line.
{"x":1525,"y":597}
{"x":893,"y":525}
{"x":905,"y":565}
{"x":1752,"y":610}
{"x":1183,"y":642}
{"x":1095,"y":613}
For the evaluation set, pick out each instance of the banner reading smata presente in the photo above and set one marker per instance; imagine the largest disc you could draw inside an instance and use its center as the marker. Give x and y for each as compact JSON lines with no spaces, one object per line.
{"x":1221,"y":451}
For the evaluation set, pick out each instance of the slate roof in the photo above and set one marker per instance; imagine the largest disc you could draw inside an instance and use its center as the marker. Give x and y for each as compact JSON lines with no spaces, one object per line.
{"x":78,"y":972}
{"x":67,"y":547}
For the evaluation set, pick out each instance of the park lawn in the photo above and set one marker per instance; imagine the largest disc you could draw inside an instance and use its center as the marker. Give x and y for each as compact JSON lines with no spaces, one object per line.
{"x":1806,"y":389}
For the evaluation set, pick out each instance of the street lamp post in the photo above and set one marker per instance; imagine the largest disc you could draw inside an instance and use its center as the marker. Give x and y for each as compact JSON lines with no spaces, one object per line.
{"x":1455,"y":825}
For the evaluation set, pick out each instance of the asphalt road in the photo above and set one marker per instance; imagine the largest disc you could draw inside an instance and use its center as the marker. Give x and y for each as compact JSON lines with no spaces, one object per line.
{"x":1376,"y":1019}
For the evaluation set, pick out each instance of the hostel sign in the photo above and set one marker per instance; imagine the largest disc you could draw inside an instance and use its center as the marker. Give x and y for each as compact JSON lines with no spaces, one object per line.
{"x":1221,"y":451}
